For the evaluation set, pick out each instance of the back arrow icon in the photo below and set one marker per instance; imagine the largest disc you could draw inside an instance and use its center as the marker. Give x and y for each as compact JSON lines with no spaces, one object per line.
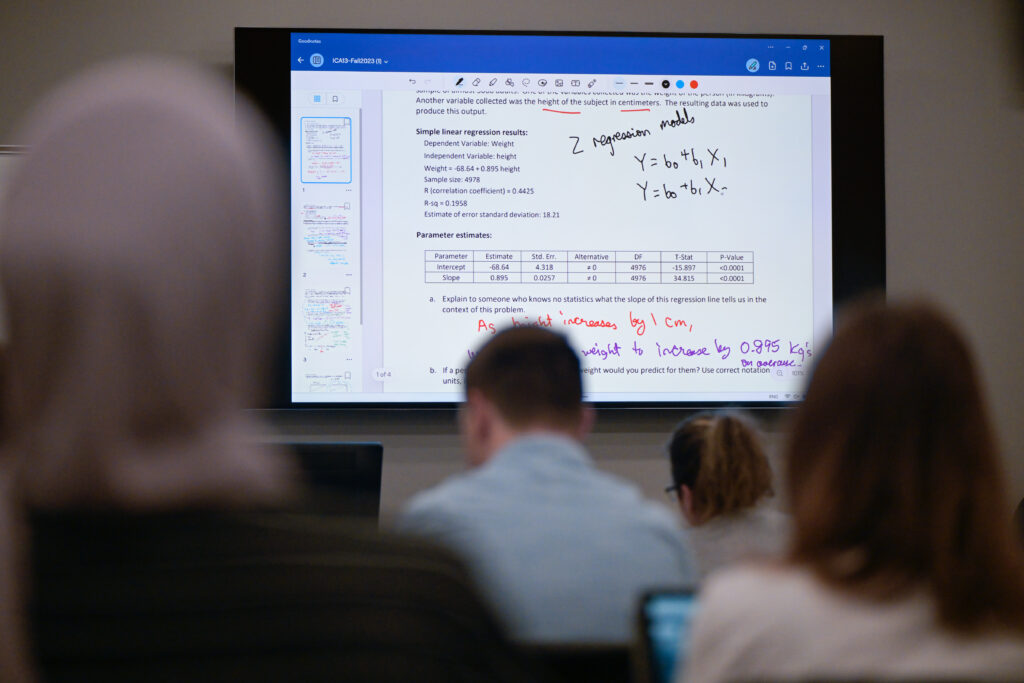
{"x":300,"y":60}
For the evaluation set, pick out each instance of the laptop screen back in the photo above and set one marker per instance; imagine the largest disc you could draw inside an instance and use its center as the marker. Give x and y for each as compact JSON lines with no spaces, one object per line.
{"x":342,"y":478}
{"x":666,"y":618}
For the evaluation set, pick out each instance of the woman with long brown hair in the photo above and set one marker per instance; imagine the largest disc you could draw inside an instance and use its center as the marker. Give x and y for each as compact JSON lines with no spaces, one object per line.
{"x":902,"y":562}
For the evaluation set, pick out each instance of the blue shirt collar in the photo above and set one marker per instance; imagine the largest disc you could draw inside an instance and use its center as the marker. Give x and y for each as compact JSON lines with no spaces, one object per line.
{"x":547,"y":446}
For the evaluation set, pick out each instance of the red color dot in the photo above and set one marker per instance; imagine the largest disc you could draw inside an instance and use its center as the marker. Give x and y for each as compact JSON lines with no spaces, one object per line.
{"x":693,"y":85}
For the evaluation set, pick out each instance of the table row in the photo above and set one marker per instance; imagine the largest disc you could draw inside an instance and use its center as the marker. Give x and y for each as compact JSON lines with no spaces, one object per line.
{"x":596,"y":257}
{"x":573,"y":267}
{"x":594,"y":278}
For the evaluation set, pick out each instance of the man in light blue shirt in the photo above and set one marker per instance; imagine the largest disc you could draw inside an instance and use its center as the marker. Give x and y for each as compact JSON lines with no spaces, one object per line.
{"x":562,"y":550}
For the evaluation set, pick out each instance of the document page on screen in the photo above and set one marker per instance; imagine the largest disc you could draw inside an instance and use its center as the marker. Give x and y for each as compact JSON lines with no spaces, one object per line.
{"x":667,"y":206}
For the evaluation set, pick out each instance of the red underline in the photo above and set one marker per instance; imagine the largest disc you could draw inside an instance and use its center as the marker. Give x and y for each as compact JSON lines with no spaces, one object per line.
{"x":555,"y":111}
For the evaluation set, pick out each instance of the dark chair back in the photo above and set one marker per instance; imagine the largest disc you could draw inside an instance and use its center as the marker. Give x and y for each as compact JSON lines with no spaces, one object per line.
{"x":211,"y":597}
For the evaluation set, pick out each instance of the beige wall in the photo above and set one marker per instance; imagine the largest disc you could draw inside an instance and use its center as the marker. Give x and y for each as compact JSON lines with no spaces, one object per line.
{"x":954,"y":92}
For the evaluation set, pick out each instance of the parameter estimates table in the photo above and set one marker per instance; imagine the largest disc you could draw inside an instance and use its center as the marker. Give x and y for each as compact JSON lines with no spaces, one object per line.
{"x":584,"y":267}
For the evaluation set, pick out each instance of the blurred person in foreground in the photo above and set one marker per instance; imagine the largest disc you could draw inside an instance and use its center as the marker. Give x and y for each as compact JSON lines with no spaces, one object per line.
{"x":722,"y":480}
{"x":139,"y":256}
{"x":902,"y":562}
{"x":562,"y":549}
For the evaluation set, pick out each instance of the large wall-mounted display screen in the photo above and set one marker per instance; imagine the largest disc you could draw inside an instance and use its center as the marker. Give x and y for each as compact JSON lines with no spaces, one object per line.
{"x":667,"y":202}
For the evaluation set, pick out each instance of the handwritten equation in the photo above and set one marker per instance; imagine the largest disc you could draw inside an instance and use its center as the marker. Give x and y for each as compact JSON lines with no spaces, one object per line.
{"x":687,"y":159}
{"x":589,"y":267}
{"x":677,"y":161}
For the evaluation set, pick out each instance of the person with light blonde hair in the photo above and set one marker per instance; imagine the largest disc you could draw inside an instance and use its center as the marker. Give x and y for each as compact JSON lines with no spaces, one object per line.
{"x":722,"y":480}
{"x":149,"y":529}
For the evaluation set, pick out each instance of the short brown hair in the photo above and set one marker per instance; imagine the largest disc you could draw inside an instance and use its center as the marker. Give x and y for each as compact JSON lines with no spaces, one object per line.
{"x":719,"y":456}
{"x":894,"y":479}
{"x":531,"y":375}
